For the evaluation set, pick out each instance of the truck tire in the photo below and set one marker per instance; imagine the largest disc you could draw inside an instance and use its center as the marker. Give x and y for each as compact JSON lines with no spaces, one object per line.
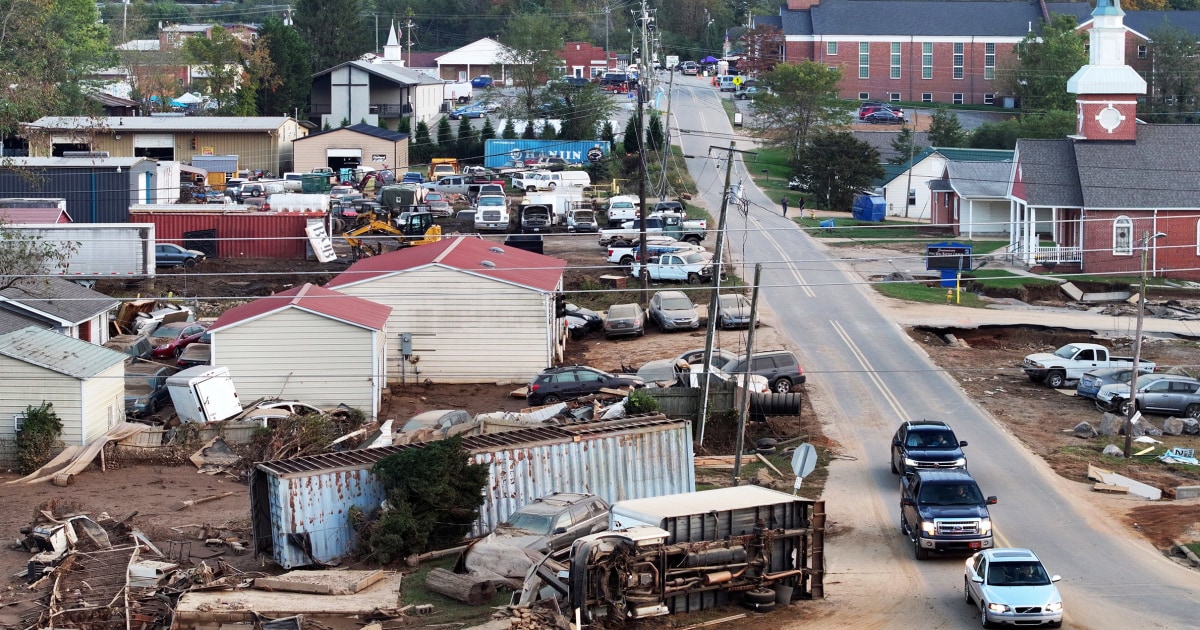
{"x":694,"y":240}
{"x":693,"y":278}
{"x":919,"y":552}
{"x":1056,"y":379}
{"x":553,"y":185}
{"x":760,"y":600}
{"x":774,"y":404}
{"x":627,"y":261}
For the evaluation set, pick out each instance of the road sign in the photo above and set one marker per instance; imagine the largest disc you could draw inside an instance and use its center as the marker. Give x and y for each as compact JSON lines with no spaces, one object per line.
{"x":737,"y":81}
{"x":804,"y":460}
{"x":595,"y":154}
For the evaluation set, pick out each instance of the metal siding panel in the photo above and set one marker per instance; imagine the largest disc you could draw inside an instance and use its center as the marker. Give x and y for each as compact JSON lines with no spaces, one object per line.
{"x":241,"y":235}
{"x":25,"y":384}
{"x":93,"y":195}
{"x":319,"y":505}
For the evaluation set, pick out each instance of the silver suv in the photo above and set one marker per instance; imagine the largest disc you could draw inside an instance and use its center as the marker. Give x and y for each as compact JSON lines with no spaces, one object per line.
{"x":1157,"y":393}
{"x":554,"y":522}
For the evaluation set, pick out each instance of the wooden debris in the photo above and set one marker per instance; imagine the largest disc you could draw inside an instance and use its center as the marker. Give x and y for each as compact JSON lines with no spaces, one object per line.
{"x":462,"y":587}
{"x":1109,"y":488}
{"x":179,"y":505}
{"x":713,"y":461}
{"x":768,"y":463}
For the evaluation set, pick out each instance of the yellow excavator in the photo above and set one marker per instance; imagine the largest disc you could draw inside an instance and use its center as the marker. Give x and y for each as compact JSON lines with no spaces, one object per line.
{"x":413,"y":228}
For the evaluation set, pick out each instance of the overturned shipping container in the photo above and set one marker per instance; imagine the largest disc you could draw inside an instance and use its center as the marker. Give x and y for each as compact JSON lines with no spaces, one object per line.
{"x":300,"y":507}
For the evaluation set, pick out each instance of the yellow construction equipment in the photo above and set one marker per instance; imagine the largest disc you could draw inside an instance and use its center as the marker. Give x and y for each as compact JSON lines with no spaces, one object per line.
{"x":412,"y":229}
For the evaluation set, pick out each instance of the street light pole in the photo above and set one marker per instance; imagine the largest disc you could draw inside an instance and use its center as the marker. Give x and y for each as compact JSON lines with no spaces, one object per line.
{"x":1137,"y":343}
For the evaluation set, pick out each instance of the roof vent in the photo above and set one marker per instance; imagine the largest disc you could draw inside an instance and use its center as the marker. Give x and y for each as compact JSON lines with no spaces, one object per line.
{"x":496,"y":250}
{"x":487,"y":263}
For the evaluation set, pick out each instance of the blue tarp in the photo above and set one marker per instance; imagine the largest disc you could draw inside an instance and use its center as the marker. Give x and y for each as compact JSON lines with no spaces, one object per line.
{"x":869,"y":208}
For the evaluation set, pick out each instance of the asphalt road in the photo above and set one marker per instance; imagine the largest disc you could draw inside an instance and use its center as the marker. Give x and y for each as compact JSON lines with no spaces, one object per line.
{"x":866,"y":376}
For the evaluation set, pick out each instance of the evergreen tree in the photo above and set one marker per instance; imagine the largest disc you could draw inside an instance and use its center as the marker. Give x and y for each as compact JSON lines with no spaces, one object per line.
{"x":510,"y":131}
{"x":464,"y":139}
{"x":608,"y":134}
{"x":654,"y":133}
{"x":945,"y":130}
{"x":405,"y":125}
{"x":528,"y":133}
{"x":837,"y":165}
{"x":548,"y":131}
{"x":488,"y":132}
{"x":905,"y":146}
{"x":420,"y":145}
{"x":286,"y":90}
{"x":445,"y":136}
{"x":337,"y":30}
{"x":632,"y":139}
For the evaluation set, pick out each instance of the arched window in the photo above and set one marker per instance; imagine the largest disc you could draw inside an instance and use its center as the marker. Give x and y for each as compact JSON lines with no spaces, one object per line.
{"x":1123,"y":236}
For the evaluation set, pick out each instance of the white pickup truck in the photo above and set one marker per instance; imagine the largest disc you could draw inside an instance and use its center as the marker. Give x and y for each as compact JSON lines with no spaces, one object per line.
{"x":1070,"y":362}
{"x":667,"y":224}
{"x":655,"y":246}
{"x":690,"y":267}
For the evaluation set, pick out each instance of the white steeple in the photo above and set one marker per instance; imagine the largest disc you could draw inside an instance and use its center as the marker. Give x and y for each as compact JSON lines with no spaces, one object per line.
{"x":1106,"y":72}
{"x":392,"y":50}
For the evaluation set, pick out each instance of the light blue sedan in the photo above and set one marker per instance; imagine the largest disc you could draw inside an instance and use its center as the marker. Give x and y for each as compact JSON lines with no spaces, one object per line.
{"x":470,"y":111}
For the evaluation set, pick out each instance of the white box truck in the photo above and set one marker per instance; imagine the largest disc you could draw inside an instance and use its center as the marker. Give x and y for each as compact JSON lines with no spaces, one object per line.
{"x":204,"y":394}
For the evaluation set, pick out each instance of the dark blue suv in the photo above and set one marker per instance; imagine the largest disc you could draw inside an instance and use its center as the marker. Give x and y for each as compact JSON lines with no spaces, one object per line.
{"x":926,"y":444}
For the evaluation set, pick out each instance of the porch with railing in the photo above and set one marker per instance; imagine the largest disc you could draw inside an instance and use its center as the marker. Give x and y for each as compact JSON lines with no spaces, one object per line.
{"x":1055,"y":254}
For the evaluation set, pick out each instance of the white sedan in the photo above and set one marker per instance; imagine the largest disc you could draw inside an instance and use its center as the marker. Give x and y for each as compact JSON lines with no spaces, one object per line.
{"x":1011,"y":587}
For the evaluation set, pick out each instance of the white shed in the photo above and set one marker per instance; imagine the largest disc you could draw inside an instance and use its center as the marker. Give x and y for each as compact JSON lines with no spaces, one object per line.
{"x":906,"y":185}
{"x":475,"y":311}
{"x":307,"y":343}
{"x":85,"y":383}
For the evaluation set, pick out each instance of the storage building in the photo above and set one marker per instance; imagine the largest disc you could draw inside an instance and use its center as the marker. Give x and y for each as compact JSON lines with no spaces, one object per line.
{"x":351,"y":147}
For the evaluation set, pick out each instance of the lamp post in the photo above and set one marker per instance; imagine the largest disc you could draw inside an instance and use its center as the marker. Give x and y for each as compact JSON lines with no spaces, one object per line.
{"x":1137,"y":342}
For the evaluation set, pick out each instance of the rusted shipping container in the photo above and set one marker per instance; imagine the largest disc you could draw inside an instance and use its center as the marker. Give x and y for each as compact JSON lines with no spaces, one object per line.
{"x":232,"y":233}
{"x":300,"y":507}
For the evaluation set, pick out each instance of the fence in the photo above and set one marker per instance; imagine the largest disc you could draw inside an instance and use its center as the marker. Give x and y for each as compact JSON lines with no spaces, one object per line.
{"x":684,"y":402}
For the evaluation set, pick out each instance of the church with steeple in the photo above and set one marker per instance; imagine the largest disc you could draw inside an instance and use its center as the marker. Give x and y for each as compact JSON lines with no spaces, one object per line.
{"x":1085,"y":203}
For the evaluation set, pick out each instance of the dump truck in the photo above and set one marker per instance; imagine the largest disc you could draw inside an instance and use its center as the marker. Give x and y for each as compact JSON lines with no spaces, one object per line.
{"x":687,"y":552}
{"x":440,"y":167}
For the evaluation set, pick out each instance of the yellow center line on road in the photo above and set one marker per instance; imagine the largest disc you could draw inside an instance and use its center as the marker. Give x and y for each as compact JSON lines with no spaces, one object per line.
{"x":805,"y":290}
{"x":892,"y":401}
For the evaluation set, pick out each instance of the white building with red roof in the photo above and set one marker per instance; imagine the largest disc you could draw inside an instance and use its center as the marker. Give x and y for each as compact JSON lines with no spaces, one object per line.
{"x":474,"y":310}
{"x":307,"y":343}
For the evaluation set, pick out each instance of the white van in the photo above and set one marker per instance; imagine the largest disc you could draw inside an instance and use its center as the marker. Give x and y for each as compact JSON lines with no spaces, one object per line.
{"x":622,"y":208}
{"x":725,"y":83}
{"x":552,"y":180}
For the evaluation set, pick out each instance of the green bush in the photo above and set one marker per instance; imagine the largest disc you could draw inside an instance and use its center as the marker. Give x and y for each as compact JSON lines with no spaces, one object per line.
{"x":37,"y":437}
{"x":640,"y":401}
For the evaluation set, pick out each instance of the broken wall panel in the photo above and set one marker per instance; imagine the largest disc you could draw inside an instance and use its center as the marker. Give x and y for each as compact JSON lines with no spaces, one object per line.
{"x":300,"y":507}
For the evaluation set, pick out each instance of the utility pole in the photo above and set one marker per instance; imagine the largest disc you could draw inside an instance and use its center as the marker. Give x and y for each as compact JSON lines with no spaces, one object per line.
{"x":642,"y":88}
{"x":408,"y":27}
{"x":1127,"y":426}
{"x":744,"y":403}
{"x":376,"y":31}
{"x":718,"y":264}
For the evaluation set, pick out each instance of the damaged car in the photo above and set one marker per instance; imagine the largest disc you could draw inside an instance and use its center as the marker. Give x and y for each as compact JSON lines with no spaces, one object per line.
{"x":546,"y":525}
{"x":566,"y":383}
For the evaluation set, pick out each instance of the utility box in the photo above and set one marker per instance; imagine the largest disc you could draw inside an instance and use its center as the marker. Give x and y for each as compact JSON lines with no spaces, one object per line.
{"x":203,"y":394}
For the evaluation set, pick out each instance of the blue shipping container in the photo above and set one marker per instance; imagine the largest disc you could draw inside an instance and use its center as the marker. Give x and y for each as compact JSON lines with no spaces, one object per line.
{"x":498,"y":152}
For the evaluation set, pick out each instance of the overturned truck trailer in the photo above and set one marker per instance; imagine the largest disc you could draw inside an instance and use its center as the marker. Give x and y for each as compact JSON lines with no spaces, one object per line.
{"x":686,"y":552}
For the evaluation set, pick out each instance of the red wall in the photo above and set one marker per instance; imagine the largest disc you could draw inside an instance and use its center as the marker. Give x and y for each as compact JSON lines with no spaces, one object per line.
{"x":239,"y":234}
{"x":1173,"y":255}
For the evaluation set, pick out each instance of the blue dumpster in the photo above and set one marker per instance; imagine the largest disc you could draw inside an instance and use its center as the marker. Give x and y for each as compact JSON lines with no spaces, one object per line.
{"x":869,"y":208}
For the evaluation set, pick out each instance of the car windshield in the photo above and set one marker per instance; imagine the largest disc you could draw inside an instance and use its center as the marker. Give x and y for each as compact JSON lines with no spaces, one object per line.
{"x":491,"y":201}
{"x":1017,"y":574}
{"x":677,"y":304}
{"x":731,"y":301}
{"x":931,"y":439}
{"x":1066,"y":352}
{"x":536,"y":523}
{"x":951,"y":494}
{"x":170,"y":330}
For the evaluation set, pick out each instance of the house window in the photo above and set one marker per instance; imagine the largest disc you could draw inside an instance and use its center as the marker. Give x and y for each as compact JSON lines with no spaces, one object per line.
{"x":958,"y":60}
{"x":894,"y":97}
{"x":864,"y":60}
{"x":863,"y":96}
{"x":1142,"y":51}
{"x":958,"y":98}
{"x":1123,"y":236}
{"x":989,"y":61}
{"x":832,"y":67}
{"x":895,"y":60}
{"x":927,"y":60}
{"x":912,"y":196}
{"x":18,"y":422}
{"x":926,"y":97}
{"x":989,"y":99}
{"x":831,"y":48}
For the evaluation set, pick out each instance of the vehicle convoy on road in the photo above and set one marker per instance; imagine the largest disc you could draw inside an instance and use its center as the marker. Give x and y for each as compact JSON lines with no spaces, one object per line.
{"x":944,"y":511}
{"x":1011,"y":587}
{"x":922,"y":444}
{"x":1070,"y":362}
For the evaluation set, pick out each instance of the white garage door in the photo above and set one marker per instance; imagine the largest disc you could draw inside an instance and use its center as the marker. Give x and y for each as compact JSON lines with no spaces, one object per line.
{"x":344,"y":153}
{"x":154,"y":141}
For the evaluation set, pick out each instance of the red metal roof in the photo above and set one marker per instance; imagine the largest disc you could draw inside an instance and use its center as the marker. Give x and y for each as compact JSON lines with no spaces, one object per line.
{"x":312,"y":298}
{"x":36,"y":216}
{"x":507,"y":264}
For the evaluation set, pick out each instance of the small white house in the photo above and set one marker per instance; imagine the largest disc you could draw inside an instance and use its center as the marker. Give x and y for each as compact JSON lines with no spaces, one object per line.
{"x":85,"y":383}
{"x":307,"y":343}
{"x":906,"y":186}
{"x":473,"y":311}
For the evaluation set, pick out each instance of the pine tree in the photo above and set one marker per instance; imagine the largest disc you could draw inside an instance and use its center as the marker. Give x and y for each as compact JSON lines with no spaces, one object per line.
{"x":632,"y":138}
{"x":548,"y":131}
{"x":905,"y":146}
{"x":654,"y":133}
{"x":510,"y":130}
{"x":488,"y":132}
{"x":608,"y":134}
{"x":464,"y":139}
{"x":945,"y":130}
{"x":528,"y":133}
{"x":420,"y":146}
{"x":292,"y":60}
{"x":445,"y":136}
{"x":336,"y":30}
{"x":405,"y":125}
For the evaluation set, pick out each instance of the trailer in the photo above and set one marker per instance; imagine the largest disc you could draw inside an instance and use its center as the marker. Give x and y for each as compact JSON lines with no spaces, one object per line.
{"x":203,"y":394}
{"x":457,"y":91}
{"x":686,"y":552}
{"x":101,"y":250}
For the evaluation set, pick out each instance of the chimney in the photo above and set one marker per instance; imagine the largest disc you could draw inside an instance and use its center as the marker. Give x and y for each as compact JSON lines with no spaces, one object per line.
{"x":802,"y":5}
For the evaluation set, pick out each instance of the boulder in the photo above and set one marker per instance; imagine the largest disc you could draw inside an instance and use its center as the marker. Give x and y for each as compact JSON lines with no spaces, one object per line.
{"x":1110,"y":424}
{"x":1113,"y":451}
{"x":1173,"y":426}
{"x":1191,"y":426}
{"x":1085,"y":430}
{"x":1150,"y":429}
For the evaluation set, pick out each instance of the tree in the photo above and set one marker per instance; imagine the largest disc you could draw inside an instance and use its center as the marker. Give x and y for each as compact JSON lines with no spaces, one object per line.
{"x":945,"y":130}
{"x":837,"y":165}
{"x":488,"y":132}
{"x":510,"y":130}
{"x":219,"y":56}
{"x":633,"y":135}
{"x":336,"y":30}
{"x":764,"y":45}
{"x":905,"y":146}
{"x":1045,"y":63}
{"x":465,"y":140}
{"x":420,"y":146}
{"x":433,"y":495}
{"x":445,"y":136}
{"x":655,"y":139}
{"x":24,"y":256}
{"x":548,"y":131}
{"x":801,"y":100}
{"x":532,"y":42}
{"x":608,"y":134}
{"x":405,"y":125}
{"x":1004,"y":135}
{"x":287,"y":90}
{"x":39,"y":434}
{"x":528,"y":133}
{"x":1173,"y":82}
{"x":580,"y":108}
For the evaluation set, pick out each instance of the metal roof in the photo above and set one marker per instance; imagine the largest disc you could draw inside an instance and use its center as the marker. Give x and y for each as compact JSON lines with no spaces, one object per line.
{"x":363,"y":128}
{"x":389,"y":71}
{"x":705,"y":501}
{"x":230,"y":124}
{"x":57,"y":298}
{"x":314,"y":299}
{"x":477,"y":443}
{"x":17,"y":216}
{"x":75,"y":162}
{"x":979,"y":179}
{"x":216,"y":163}
{"x":59,"y":353}
{"x":485,"y":51}
{"x":468,"y":254}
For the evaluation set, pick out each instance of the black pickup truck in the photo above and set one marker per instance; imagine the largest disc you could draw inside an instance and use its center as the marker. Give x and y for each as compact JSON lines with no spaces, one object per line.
{"x":944,"y":511}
